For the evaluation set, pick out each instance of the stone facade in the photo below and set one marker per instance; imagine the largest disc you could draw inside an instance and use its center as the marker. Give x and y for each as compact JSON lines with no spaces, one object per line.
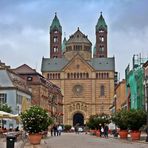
{"x":44,"y":93}
{"x":121,"y":99}
{"x":87,"y":83}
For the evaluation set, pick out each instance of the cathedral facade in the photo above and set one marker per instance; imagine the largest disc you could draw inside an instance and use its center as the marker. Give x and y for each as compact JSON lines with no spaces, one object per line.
{"x":86,"y":81}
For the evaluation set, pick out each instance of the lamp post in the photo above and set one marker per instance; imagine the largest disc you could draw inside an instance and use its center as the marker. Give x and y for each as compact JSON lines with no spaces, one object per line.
{"x":146,"y":97}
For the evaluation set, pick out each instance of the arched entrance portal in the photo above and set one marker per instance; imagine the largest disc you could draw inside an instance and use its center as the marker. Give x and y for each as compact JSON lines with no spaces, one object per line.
{"x":78,"y":118}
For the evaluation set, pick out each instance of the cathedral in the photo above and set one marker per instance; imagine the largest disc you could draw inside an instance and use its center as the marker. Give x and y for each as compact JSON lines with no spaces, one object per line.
{"x":85,"y":76}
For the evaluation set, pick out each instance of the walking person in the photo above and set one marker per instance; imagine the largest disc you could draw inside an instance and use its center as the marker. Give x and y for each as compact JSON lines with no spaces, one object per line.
{"x":106,"y":131}
{"x":55,"y":130}
{"x":59,"y":129}
{"x":51,"y":131}
{"x":102,"y":131}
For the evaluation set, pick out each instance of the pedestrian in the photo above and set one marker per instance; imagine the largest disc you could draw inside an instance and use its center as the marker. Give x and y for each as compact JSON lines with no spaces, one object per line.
{"x":59,"y":129}
{"x":99,"y":128}
{"x":55,"y":130}
{"x":51,"y":131}
{"x":106,"y":131}
{"x":102,"y":131}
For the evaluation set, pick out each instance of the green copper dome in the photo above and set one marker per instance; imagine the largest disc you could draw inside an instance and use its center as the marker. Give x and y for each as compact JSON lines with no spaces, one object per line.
{"x":55,"y":24}
{"x":101,"y":23}
{"x":64,"y":44}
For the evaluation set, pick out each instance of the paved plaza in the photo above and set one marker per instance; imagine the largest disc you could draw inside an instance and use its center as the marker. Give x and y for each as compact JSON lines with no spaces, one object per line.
{"x":72,"y":140}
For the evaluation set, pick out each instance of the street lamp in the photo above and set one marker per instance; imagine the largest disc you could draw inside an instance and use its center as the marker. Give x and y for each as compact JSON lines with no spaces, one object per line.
{"x":146,"y":97}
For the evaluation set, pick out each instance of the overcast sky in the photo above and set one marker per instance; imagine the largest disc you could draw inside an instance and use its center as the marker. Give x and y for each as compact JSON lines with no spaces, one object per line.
{"x":24,"y":28}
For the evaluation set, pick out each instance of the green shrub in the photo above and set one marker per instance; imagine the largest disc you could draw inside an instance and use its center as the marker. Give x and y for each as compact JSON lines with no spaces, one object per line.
{"x":35,"y":120}
{"x":136,"y":119}
{"x":67,"y":128}
{"x":120,"y":119}
{"x":95,"y":120}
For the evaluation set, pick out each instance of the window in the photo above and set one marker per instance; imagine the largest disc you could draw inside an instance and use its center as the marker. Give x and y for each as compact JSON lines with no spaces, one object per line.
{"x":3,"y":98}
{"x":68,"y":75}
{"x":55,"y":39}
{"x":102,"y":90}
{"x":55,"y":49}
{"x":101,"y":31}
{"x":101,"y":48}
{"x":19,"y":99}
{"x":55,"y":31}
{"x":29,"y":78}
{"x":101,"y":38}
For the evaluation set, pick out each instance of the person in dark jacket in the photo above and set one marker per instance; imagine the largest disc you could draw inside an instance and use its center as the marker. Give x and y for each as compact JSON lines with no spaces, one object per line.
{"x":106,"y":131}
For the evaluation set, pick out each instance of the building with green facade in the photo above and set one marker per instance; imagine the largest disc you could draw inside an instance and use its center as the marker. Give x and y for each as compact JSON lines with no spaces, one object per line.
{"x":134,"y":84}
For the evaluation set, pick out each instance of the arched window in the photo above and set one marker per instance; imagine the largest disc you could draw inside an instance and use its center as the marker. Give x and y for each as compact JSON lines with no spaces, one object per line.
{"x":102,"y":90}
{"x":74,"y":75}
{"x":96,"y":75}
{"x":87,"y":75}
{"x":77,"y":75}
{"x":71,"y":76}
{"x":80,"y":75}
{"x":58,"y":75}
{"x":68,"y":75}
{"x":83,"y":75}
{"x":48,"y":76}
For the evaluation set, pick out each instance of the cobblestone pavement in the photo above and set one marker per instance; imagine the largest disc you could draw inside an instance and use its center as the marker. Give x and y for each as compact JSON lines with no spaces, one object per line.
{"x":72,"y":140}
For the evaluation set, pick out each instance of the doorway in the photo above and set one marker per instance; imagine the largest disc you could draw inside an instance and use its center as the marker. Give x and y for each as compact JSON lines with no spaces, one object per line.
{"x":78,"y":119}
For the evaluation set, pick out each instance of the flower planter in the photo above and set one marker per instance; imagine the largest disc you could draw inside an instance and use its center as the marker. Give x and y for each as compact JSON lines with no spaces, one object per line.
{"x":35,"y":138}
{"x":135,"y":135}
{"x":92,"y":132}
{"x":123,"y":134}
{"x":97,"y":133}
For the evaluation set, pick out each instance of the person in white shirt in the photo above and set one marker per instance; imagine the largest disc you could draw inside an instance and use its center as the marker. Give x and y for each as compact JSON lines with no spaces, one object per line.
{"x":59,"y":128}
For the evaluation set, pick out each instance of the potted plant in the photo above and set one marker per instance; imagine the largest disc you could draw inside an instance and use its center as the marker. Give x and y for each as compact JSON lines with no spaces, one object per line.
{"x":120,"y":119}
{"x":95,"y":121}
{"x":137,"y":118}
{"x":35,"y":121}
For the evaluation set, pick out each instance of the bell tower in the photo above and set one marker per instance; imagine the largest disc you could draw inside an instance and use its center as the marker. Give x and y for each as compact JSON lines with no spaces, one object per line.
{"x":101,"y":38}
{"x":55,"y":38}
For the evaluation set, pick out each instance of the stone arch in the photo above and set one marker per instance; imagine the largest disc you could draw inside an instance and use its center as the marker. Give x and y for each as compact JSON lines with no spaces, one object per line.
{"x":78,"y":118}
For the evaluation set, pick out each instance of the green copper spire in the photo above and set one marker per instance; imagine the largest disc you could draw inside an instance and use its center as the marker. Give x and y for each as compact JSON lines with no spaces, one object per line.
{"x":101,"y":23}
{"x":64,"y":44}
{"x":55,"y":24}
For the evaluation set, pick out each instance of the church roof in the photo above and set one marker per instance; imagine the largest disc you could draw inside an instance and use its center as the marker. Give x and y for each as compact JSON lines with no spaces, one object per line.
{"x":101,"y":23}
{"x":58,"y":63}
{"x":78,"y":37}
{"x":103,"y":63}
{"x":53,"y":64}
{"x":55,"y":24}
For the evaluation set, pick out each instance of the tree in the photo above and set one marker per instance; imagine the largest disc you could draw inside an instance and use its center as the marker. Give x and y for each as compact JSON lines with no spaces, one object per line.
{"x":5,"y":108}
{"x":95,"y":120}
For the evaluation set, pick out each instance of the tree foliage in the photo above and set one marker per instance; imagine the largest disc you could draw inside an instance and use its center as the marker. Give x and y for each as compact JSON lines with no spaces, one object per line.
{"x":5,"y":108}
{"x":136,"y":119}
{"x":120,"y":118}
{"x":35,"y":120}
{"x":95,"y":120}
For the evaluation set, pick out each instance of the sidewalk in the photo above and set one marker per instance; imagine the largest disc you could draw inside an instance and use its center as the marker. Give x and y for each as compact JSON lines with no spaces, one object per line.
{"x":142,"y":138}
{"x":21,"y":144}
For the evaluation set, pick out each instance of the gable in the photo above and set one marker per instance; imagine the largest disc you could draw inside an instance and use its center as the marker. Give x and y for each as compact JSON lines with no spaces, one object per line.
{"x":77,"y":64}
{"x":23,"y":69}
